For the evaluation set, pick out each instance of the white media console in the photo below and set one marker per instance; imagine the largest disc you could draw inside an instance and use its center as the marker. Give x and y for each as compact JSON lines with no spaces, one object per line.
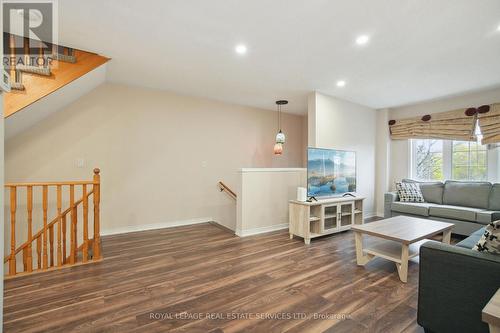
{"x":325,"y":216}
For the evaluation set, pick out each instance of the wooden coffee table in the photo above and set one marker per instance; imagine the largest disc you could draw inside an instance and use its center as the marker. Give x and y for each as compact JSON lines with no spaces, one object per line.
{"x":491,"y":313}
{"x":397,"y":239}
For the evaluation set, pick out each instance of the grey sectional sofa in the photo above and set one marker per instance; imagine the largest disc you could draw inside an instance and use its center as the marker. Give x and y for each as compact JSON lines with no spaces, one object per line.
{"x":455,"y":284}
{"x":468,"y":205}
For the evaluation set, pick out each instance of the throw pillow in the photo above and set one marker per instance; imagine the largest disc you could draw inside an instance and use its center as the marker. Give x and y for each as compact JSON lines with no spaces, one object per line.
{"x":490,"y":240}
{"x":409,"y":192}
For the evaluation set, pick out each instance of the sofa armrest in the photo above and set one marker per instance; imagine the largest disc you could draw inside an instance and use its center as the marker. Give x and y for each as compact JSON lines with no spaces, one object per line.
{"x":454,"y":285}
{"x":389,"y":198}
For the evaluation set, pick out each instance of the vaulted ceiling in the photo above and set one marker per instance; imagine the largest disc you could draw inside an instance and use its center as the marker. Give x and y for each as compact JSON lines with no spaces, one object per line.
{"x":418,"y":49}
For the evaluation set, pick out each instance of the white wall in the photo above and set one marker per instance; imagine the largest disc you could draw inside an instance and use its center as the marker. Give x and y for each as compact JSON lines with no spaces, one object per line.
{"x":400,"y":149}
{"x":383,"y":163}
{"x":311,"y":120}
{"x":337,"y":124}
{"x":263,"y":196}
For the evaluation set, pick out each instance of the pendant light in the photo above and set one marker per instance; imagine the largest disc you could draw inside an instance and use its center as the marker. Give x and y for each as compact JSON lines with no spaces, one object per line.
{"x":280,"y":137}
{"x":278,"y":148}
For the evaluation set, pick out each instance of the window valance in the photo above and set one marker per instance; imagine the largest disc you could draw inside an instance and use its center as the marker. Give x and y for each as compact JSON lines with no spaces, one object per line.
{"x":489,"y":122}
{"x":451,"y":125}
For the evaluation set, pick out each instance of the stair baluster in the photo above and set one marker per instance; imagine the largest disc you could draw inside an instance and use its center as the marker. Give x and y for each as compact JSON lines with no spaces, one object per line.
{"x":29,"y":201}
{"x":13,"y":206}
{"x":45,"y":203}
{"x":85,"y":251}
{"x":59,"y":209}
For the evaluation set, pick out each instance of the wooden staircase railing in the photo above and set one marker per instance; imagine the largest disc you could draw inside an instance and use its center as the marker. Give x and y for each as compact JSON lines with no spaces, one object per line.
{"x":224,"y":188}
{"x":51,"y":254}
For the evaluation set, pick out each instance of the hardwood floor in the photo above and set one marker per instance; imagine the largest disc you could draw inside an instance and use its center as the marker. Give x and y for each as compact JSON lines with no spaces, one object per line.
{"x":160,"y":280}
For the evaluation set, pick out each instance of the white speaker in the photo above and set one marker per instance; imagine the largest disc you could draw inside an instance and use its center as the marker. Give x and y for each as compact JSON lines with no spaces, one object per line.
{"x":301,"y":194}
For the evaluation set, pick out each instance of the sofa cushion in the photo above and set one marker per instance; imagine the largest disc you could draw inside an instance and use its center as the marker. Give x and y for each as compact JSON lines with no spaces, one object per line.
{"x":431,"y":191}
{"x":490,"y":240}
{"x":454,"y":212}
{"x":472,"y":240}
{"x":495,"y":197}
{"x":413,"y":208}
{"x":487,"y":216}
{"x":468,"y":194}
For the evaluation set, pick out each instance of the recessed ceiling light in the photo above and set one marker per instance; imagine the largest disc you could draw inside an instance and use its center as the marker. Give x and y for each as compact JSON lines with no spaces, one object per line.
{"x":241,"y":49}
{"x":498,"y":28}
{"x":341,"y":83}
{"x":362,"y":40}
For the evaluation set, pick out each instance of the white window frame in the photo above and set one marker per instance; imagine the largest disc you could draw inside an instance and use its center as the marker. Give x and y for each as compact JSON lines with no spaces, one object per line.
{"x":493,"y":156}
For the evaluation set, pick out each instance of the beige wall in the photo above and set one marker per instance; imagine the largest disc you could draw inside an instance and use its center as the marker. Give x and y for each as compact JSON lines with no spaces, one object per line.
{"x":400,"y":149}
{"x":161,"y":155}
{"x":263,"y":196}
{"x":338,"y":124}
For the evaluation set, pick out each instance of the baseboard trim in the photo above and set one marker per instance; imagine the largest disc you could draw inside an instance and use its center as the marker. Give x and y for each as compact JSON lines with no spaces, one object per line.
{"x":261,"y":230}
{"x":370,"y":215}
{"x":154,"y":226}
{"x":222,"y":227}
{"x":172,"y":224}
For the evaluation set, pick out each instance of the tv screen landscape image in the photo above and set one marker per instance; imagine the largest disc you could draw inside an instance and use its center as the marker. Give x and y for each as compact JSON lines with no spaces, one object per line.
{"x":330,"y":172}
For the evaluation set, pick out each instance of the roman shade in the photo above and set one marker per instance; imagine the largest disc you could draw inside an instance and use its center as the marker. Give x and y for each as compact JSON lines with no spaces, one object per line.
{"x":451,"y":125}
{"x":489,"y":121}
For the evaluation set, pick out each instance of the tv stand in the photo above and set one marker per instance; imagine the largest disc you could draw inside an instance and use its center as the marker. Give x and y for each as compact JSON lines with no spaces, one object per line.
{"x":323,"y":217}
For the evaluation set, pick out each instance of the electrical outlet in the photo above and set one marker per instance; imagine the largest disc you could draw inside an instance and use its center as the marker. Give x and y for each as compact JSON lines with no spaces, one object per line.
{"x":204,"y":164}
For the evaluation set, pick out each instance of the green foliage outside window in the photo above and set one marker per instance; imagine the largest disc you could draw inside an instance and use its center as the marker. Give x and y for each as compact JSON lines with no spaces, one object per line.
{"x":469,"y":160}
{"x":429,"y":159}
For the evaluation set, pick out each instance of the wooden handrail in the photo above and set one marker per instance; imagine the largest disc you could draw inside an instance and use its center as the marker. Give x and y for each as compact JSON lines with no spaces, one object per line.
{"x":78,"y":182}
{"x":224,"y":187}
{"x":50,"y":241}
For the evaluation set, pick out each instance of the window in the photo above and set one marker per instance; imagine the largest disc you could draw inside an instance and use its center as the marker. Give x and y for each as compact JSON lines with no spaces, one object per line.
{"x":429,"y":159}
{"x":469,"y":161}
{"x":458,"y":160}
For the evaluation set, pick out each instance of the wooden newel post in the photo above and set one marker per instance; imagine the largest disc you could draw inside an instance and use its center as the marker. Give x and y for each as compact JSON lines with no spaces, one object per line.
{"x":97,"y":197}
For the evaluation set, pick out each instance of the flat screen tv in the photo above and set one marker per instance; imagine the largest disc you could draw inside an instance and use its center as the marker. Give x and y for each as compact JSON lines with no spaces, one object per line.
{"x":330,"y":172}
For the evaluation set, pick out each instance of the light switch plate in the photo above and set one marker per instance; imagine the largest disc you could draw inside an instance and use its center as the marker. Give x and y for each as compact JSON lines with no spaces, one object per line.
{"x":80,"y":162}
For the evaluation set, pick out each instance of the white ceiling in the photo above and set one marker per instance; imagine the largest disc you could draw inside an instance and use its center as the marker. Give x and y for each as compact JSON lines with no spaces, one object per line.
{"x":419,"y":49}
